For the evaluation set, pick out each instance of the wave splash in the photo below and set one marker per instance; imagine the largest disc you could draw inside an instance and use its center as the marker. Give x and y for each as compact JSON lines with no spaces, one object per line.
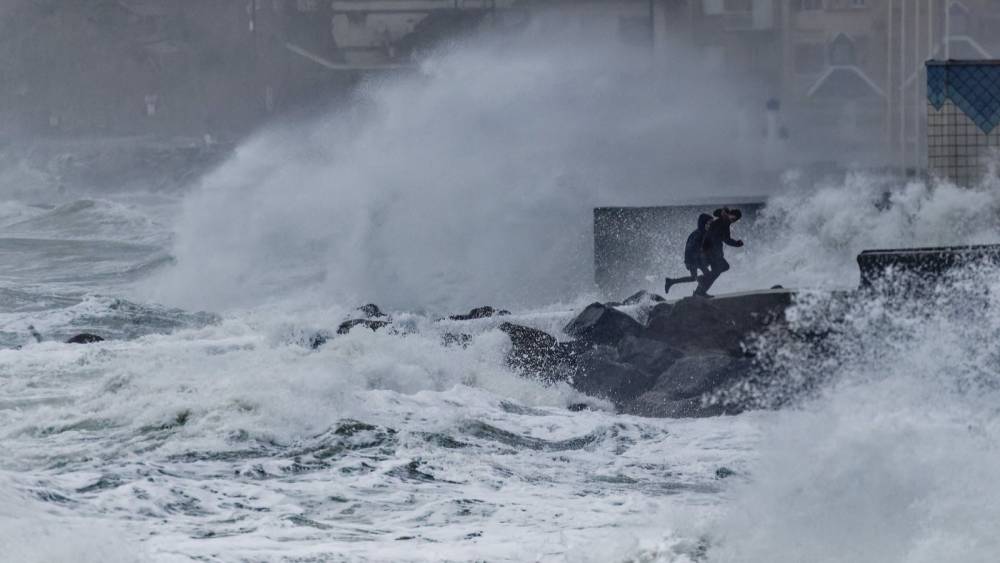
{"x":884,"y":447}
{"x":469,"y":180}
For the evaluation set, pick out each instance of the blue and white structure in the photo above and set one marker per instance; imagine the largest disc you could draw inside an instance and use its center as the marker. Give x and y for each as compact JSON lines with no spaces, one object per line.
{"x":963,"y":118}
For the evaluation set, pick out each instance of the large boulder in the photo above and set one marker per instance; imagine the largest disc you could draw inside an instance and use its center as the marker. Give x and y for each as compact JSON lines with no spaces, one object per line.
{"x":643,"y":296}
{"x":599,"y":374}
{"x":723,"y":324}
{"x":651,"y":356}
{"x":600,"y":324}
{"x":532,"y":351}
{"x":694,"y":323}
{"x":684,"y":389}
{"x":753,"y":311}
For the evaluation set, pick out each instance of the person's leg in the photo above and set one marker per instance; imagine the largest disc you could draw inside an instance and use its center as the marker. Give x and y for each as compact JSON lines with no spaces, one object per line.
{"x":717,"y":265}
{"x":671,"y":281}
{"x":705,"y":282}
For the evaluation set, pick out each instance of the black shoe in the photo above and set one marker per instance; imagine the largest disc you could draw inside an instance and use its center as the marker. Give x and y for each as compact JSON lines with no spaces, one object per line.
{"x":667,"y":285}
{"x":703,"y":294}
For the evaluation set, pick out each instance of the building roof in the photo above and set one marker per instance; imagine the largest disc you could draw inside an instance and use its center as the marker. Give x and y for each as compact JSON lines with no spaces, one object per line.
{"x":844,"y":82}
{"x":973,"y":86}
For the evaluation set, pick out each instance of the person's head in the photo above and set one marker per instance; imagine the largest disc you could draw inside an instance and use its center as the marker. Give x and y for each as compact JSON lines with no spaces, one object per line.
{"x":735,"y":215}
{"x":718,"y":212}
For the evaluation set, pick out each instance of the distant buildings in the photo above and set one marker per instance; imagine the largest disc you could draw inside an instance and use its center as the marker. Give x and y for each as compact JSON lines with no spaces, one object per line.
{"x":963,"y":118}
{"x":849,"y":73}
{"x":841,"y":80}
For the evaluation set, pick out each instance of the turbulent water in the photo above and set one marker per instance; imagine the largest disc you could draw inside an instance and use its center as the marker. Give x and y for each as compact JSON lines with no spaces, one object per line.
{"x":221,"y":436}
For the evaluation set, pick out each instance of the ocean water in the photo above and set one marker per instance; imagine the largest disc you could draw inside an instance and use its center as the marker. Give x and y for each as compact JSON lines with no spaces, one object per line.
{"x":206,"y":429}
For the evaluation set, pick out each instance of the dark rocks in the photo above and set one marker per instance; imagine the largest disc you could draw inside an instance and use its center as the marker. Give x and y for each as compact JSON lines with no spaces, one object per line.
{"x":85,"y":338}
{"x":642,"y":296}
{"x":600,"y":324}
{"x":685,"y":388}
{"x":752,"y":312}
{"x":532,"y":350}
{"x":527,"y":339}
{"x":689,"y":352}
{"x":695,"y":323}
{"x":484,"y":312}
{"x":659,"y":310}
{"x":569,"y":353}
{"x":346,"y":326}
{"x":372,"y":311}
{"x":599,"y":374}
{"x":692,"y":376}
{"x":649,"y":355}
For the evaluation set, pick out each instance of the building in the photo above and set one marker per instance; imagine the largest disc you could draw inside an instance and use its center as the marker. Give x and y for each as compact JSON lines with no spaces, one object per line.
{"x":963,"y":118}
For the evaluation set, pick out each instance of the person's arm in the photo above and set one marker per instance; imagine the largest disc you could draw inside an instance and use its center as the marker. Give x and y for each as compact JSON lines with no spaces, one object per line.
{"x":728,"y":239}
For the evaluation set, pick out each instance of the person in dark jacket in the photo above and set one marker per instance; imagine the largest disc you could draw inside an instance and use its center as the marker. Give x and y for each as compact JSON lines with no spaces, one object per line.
{"x":694,"y":258}
{"x":717,"y":234}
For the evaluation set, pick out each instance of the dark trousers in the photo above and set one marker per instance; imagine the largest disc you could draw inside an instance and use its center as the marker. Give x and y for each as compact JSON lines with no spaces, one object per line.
{"x":693,"y":270}
{"x":716,"y":266}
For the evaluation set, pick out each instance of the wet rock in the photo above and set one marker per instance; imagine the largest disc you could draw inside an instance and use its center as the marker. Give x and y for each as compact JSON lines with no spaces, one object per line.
{"x":346,"y":326}
{"x":652,"y":356}
{"x":752,"y":312}
{"x":684,"y":390}
{"x":532,"y":351}
{"x":659,"y":310}
{"x":642,"y":296}
{"x":84,"y":338}
{"x":601,"y":324}
{"x":484,"y":312}
{"x":528,"y":339}
{"x":692,"y":376}
{"x":569,"y":353}
{"x":722,"y":324}
{"x":599,"y":374}
{"x":694,"y":323}
{"x":372,"y":311}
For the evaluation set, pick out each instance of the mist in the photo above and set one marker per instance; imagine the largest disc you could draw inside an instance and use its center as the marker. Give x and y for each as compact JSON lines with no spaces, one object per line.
{"x":469,"y":180}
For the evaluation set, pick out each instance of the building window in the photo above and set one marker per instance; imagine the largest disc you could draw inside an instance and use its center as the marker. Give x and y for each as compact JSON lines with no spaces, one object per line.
{"x":842,"y":51}
{"x":809,"y":5}
{"x":809,"y":58}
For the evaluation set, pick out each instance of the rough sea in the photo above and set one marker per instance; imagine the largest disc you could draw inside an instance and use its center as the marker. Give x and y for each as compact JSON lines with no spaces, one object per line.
{"x":207,"y":429}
